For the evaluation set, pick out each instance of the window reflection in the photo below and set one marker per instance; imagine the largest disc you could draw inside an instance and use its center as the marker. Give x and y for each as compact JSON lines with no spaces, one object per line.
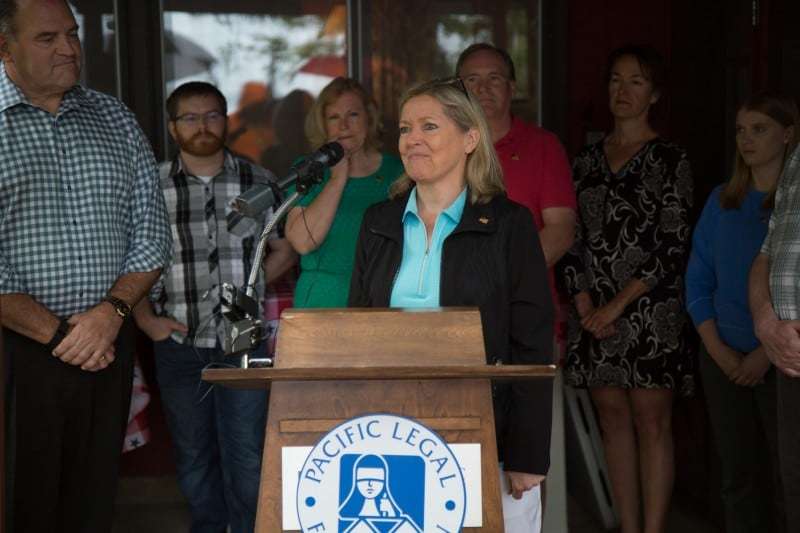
{"x":270,"y":66}
{"x":97,"y":31}
{"x":416,"y":40}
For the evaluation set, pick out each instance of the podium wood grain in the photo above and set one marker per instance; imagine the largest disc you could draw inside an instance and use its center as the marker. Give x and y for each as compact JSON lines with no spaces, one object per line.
{"x":333,"y":338}
{"x":258,"y":378}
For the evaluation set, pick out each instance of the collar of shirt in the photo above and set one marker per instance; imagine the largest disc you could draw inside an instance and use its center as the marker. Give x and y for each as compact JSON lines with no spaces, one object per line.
{"x":511,"y":134}
{"x":11,"y":95}
{"x":453,"y":211}
{"x":228,"y":165}
{"x":791,"y":168}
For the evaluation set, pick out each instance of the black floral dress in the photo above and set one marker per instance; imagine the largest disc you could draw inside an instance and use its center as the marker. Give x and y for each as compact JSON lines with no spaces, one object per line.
{"x":632,"y":224}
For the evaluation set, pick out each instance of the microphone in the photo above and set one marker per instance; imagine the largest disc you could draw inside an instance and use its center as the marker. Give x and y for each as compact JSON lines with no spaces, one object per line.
{"x":261,"y":197}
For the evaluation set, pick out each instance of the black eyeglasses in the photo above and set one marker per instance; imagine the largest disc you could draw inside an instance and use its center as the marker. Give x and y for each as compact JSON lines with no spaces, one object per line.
{"x":495,"y":81}
{"x":193,"y":119}
{"x":454,"y":81}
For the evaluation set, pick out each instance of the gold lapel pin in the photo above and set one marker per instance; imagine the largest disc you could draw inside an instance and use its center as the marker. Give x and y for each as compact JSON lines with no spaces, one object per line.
{"x":483,"y":220}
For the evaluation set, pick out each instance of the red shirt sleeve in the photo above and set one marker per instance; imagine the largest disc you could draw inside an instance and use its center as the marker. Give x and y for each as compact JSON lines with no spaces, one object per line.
{"x":557,"y":189}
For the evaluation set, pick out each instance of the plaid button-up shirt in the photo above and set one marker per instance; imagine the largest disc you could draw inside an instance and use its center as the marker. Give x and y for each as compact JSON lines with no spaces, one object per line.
{"x":204,"y":224}
{"x":79,"y":199}
{"x":782,"y":243}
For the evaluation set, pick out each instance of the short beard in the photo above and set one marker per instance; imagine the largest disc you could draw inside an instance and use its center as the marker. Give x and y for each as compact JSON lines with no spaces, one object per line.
{"x":193,"y":146}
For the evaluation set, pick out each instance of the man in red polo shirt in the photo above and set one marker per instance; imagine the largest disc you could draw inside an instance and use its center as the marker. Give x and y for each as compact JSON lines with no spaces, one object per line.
{"x":537,"y":175}
{"x":535,"y":167}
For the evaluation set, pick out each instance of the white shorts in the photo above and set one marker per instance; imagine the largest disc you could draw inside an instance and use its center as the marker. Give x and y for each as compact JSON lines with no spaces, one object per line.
{"x":523,"y":515}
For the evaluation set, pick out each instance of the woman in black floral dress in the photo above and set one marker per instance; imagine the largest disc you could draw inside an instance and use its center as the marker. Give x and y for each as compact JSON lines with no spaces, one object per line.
{"x":626,"y":340}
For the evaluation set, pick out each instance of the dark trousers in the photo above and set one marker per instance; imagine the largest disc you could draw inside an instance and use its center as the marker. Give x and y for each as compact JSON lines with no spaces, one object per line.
{"x":744,"y":421}
{"x":218,"y":434}
{"x":789,"y":446}
{"x":68,"y":432}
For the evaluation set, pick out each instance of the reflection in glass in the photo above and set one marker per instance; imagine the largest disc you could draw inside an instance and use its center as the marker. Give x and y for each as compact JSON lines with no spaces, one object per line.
{"x":418,"y":40}
{"x":97,"y":29}
{"x":269,"y":65}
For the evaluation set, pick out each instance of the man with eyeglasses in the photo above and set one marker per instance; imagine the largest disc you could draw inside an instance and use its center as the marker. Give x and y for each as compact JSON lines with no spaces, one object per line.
{"x":535,"y":167}
{"x":536,"y":171}
{"x":83,"y":236}
{"x":218,"y":432}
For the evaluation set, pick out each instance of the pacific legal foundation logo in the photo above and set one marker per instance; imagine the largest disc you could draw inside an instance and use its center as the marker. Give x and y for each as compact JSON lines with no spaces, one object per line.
{"x":381,"y":474}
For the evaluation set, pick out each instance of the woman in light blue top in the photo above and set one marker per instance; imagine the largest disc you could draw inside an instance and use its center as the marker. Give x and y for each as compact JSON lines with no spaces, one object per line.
{"x":738,"y":380}
{"x":449,"y":236}
{"x":417,"y":283}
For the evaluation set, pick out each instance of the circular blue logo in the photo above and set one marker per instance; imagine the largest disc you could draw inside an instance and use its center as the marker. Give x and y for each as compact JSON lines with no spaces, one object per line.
{"x":381,"y":473}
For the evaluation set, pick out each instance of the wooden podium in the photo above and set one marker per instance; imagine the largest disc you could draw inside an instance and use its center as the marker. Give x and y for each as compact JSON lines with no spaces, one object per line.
{"x":336,"y":364}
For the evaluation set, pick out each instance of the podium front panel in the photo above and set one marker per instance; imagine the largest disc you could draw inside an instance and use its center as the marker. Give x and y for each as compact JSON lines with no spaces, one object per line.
{"x":459,"y":411}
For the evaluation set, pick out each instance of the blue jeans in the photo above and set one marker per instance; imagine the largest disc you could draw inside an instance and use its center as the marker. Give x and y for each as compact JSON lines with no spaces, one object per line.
{"x":219,"y":437}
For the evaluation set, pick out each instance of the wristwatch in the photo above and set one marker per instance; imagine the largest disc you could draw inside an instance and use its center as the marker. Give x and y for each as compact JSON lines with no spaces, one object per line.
{"x":120,"y":306}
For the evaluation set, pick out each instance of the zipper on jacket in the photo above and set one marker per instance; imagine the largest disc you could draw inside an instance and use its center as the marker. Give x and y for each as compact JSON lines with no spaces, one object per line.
{"x":424,"y":261}
{"x":422,"y":272}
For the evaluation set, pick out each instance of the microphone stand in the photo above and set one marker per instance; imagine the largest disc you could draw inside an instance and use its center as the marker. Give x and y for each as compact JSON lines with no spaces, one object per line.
{"x":240,"y":307}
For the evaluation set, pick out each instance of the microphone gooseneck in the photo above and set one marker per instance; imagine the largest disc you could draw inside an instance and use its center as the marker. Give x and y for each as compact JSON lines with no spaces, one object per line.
{"x":253,"y":202}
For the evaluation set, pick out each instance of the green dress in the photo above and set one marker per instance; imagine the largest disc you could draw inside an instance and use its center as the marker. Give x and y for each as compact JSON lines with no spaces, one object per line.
{"x":325,"y":273}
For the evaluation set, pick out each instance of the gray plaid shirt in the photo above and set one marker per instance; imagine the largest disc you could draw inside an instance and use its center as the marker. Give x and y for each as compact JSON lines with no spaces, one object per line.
{"x":205,"y":227}
{"x":79,"y":199}
{"x":782,"y":243}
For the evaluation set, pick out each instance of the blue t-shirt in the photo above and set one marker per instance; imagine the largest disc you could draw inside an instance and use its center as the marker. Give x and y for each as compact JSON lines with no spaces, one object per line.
{"x":724,"y":245}
{"x":417,"y":282}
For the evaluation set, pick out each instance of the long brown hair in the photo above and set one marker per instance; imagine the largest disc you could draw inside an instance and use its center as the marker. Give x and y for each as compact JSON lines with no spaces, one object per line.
{"x":782,"y":110}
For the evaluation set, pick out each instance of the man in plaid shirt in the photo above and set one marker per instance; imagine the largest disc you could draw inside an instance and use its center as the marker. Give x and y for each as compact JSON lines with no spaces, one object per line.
{"x":218,"y":432}
{"x":83,"y":236}
{"x":775,"y":304}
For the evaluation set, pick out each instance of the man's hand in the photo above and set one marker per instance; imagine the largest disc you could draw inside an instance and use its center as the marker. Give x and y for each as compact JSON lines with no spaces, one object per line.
{"x":101,"y":362}
{"x":781,"y":341}
{"x":91,"y":338}
{"x":752,"y":368}
{"x":519,"y":482}
{"x":159,"y":328}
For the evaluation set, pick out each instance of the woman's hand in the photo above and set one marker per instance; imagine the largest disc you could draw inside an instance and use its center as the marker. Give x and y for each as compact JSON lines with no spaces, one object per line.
{"x":341,"y":170}
{"x":601,"y":319}
{"x":727,"y":359}
{"x":583,"y":304}
{"x":606,"y":332}
{"x":585,"y":307}
{"x":752,"y":368}
{"x":519,"y":482}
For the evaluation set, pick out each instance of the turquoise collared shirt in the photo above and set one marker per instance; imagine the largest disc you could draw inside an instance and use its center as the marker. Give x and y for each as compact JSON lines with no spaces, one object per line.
{"x":417,"y":282}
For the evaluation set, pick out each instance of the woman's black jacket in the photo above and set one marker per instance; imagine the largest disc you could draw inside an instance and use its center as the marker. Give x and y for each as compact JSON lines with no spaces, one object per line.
{"x":492,"y":260}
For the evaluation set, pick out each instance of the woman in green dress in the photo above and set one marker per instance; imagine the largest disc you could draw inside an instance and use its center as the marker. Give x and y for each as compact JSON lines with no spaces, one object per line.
{"x":323,"y":227}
